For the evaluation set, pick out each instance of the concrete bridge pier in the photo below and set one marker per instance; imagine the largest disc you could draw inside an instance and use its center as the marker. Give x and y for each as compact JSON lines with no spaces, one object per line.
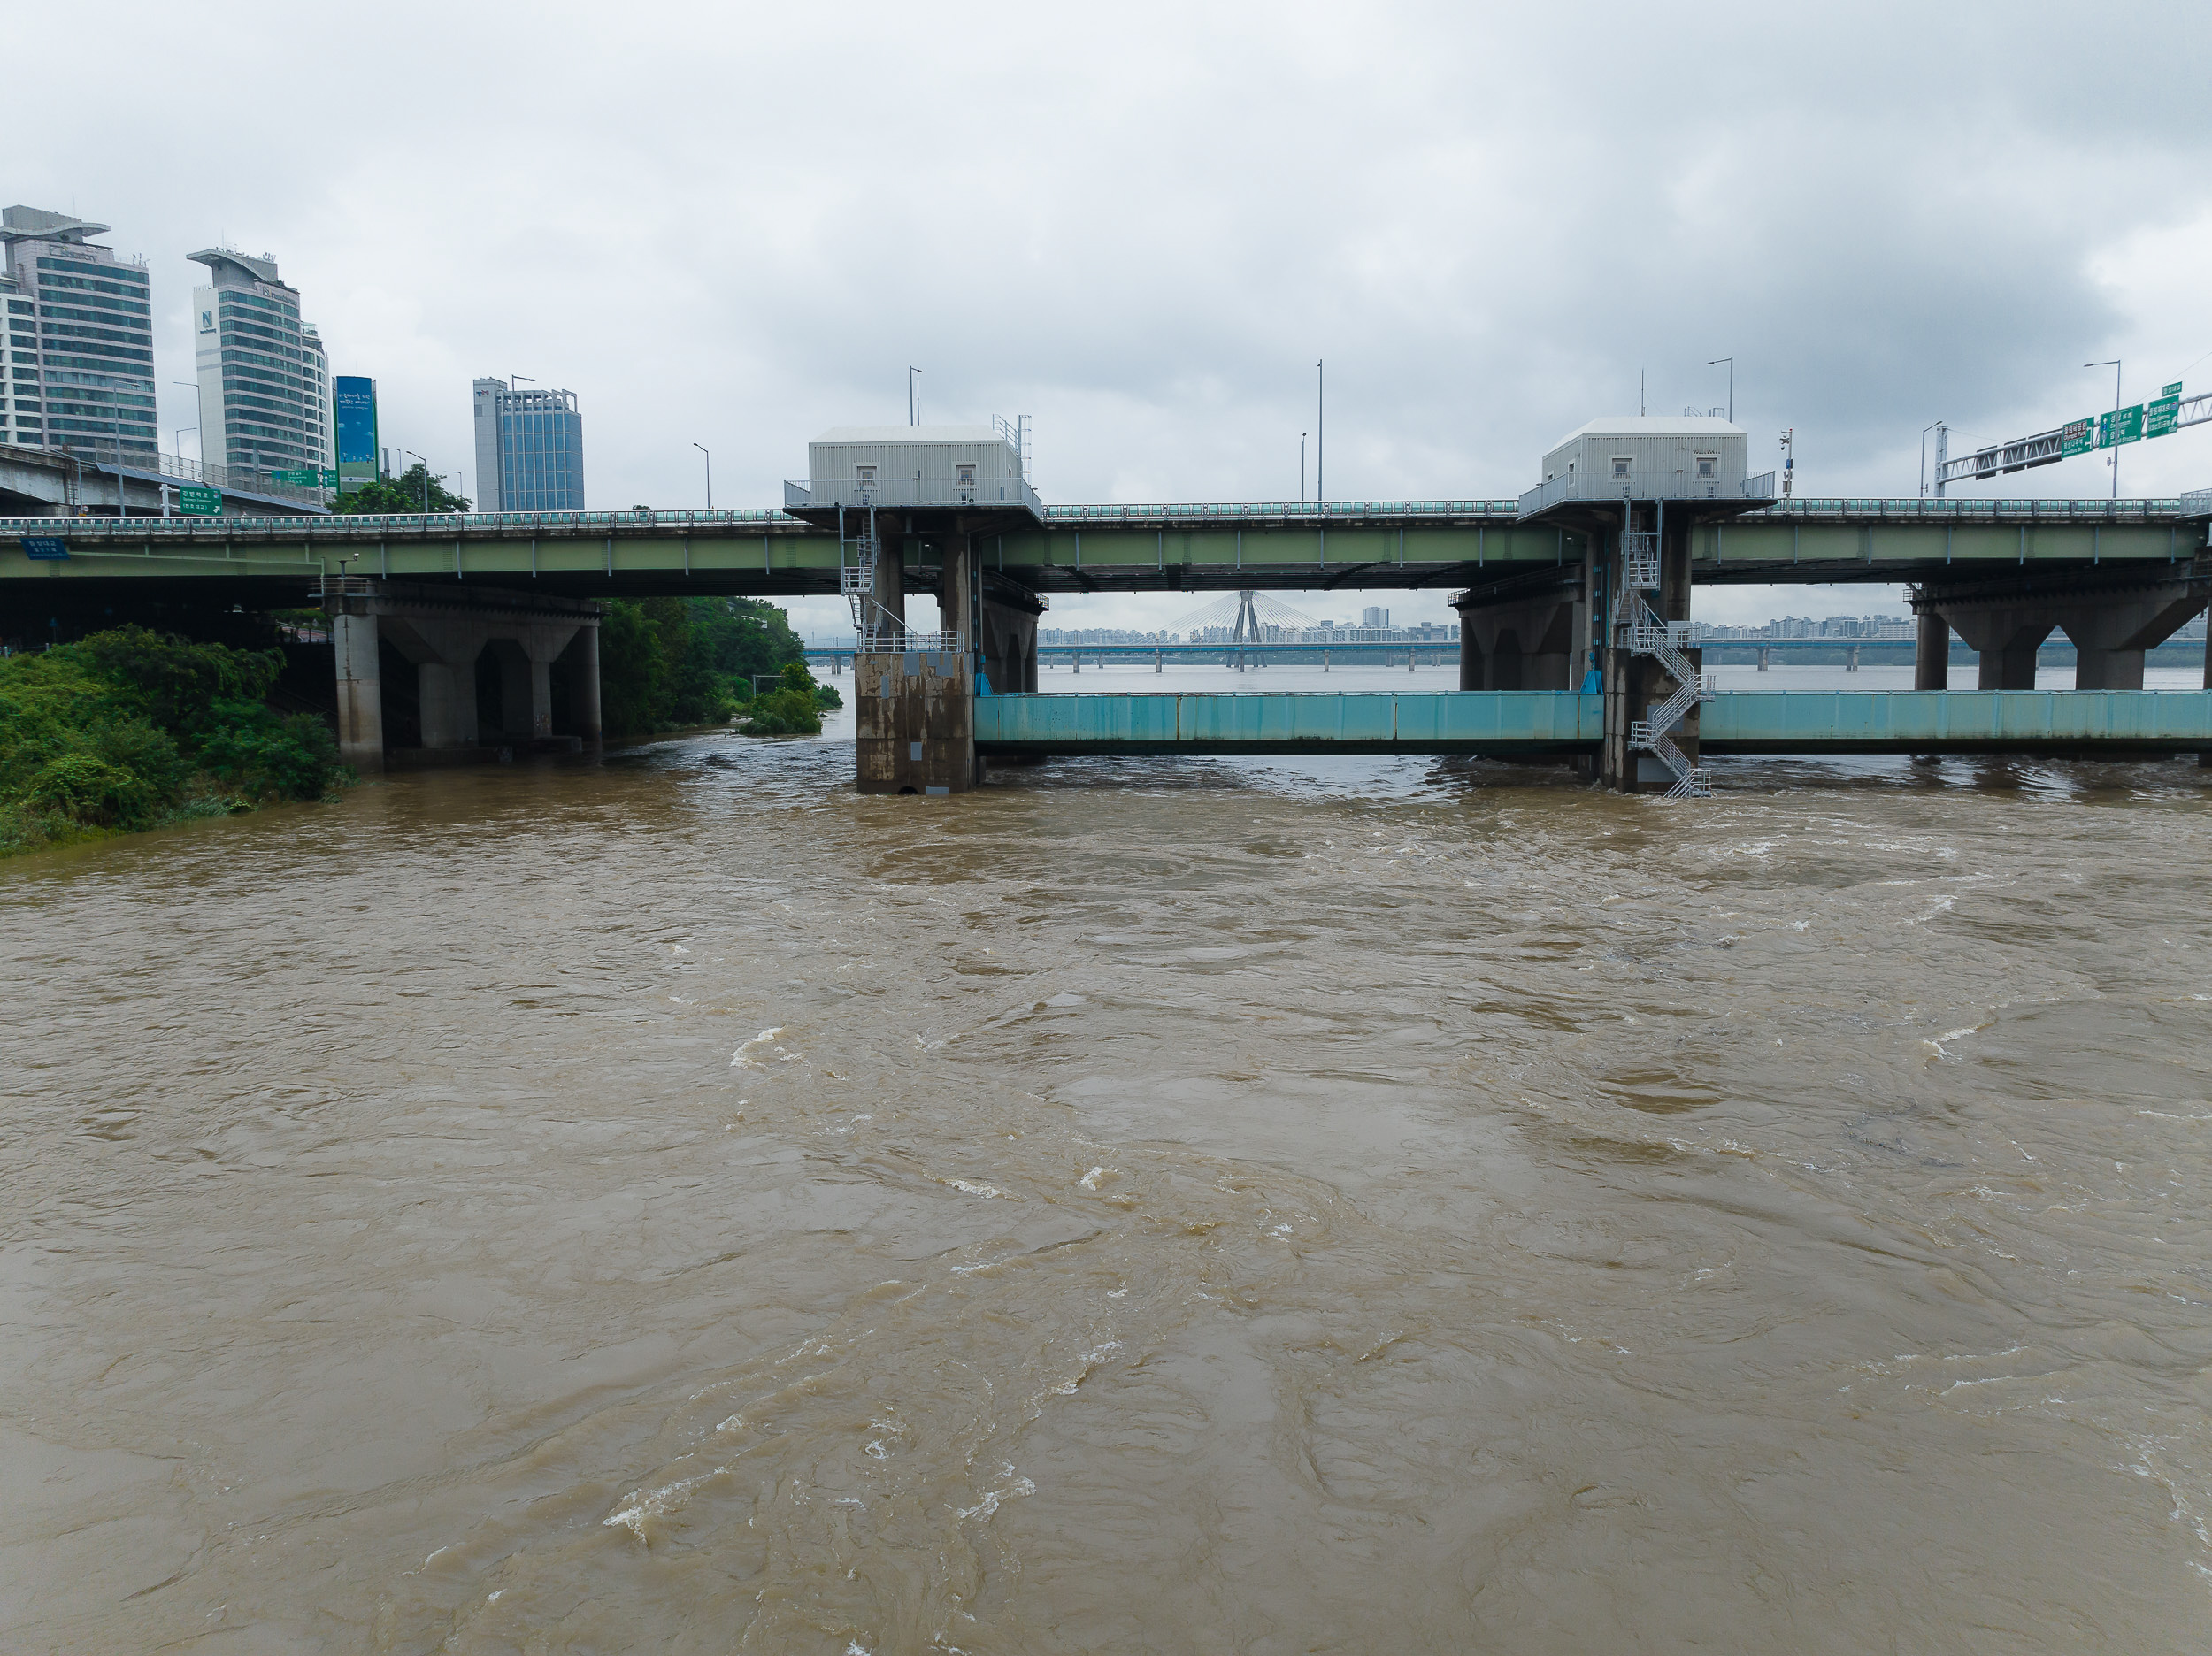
{"x":443,"y":632}
{"x":1930,"y":654}
{"x":1011,"y":614}
{"x":2110,"y":623}
{"x":1765,"y":652}
{"x":914,"y":721}
{"x":1518,"y":644}
{"x":353,"y":638}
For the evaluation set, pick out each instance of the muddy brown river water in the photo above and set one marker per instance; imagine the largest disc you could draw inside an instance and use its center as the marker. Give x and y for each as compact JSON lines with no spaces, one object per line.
{"x":676,"y":1203}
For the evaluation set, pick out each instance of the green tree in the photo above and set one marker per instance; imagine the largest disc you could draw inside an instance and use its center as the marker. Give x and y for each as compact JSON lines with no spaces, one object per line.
{"x":632,"y":669}
{"x":671,"y":663}
{"x":789,"y":710}
{"x":129,"y":728}
{"x":406,"y":493}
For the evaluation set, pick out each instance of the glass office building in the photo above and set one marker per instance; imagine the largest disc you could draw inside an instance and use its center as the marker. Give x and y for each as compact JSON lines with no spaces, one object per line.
{"x":264,"y":384}
{"x":529,"y":449}
{"x":80,"y":369}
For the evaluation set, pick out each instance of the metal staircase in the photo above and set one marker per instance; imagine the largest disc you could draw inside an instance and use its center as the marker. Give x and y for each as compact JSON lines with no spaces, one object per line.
{"x":877,"y":632}
{"x":1649,"y":635}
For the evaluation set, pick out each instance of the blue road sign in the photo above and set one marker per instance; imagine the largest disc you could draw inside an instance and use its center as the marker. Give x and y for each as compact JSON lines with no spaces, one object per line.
{"x":45,"y":547}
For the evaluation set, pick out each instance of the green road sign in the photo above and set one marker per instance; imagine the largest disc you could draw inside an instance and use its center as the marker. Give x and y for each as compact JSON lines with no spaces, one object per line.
{"x":2122,"y":425}
{"x":2076,"y":437}
{"x":300,"y":479}
{"x":2162,"y":415}
{"x":200,"y":502}
{"x":330,"y":477}
{"x":2173,"y":390}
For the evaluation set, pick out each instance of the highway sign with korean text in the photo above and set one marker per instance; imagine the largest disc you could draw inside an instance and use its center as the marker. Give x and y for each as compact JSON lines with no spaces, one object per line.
{"x":200,"y":502}
{"x":2076,"y":437}
{"x":45,"y":547}
{"x":2160,"y":415}
{"x":2122,"y":425}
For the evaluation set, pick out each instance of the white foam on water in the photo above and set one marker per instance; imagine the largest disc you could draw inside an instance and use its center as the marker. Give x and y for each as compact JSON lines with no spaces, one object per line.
{"x":742,"y":1058}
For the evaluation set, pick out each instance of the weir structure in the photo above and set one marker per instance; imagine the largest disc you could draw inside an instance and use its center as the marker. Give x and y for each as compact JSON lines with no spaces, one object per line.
{"x":1579,"y":590}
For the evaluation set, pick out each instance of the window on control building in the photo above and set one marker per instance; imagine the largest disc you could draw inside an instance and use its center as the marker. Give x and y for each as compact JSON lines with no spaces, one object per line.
{"x":1620,"y":466}
{"x":1707,"y":465}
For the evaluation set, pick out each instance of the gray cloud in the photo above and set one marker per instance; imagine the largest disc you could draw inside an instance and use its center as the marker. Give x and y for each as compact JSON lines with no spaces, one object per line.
{"x":1143,"y":225}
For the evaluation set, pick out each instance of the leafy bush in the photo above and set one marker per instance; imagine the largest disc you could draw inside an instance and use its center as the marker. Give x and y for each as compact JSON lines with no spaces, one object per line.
{"x":128,"y":729}
{"x":789,"y":710}
{"x":261,"y":754}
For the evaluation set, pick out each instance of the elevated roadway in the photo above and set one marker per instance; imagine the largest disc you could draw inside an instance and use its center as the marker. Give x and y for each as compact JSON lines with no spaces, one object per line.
{"x":1412,"y":545}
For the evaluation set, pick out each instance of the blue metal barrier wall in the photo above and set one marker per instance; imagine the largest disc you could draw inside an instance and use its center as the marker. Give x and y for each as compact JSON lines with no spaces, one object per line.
{"x":1533,"y":722}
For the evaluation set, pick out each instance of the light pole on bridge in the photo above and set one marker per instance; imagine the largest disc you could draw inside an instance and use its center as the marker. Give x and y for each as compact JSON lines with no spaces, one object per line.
{"x":701,"y":447}
{"x":2114,"y":366}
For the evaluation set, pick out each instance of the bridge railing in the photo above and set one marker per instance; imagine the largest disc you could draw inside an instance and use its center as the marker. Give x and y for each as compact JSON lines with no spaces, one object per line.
{"x":1319,"y":513}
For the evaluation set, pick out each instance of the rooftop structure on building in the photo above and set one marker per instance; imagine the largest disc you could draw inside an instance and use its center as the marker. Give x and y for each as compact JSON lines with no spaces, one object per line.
{"x":529,"y":449}
{"x":1691,"y":459}
{"x":80,"y":373}
{"x":956,"y":468}
{"x":263,"y":377}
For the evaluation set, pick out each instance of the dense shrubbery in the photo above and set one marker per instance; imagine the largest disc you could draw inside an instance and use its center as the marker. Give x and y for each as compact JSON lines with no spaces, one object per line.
{"x":130,"y":729}
{"x":792,"y":708}
{"x":671,"y":663}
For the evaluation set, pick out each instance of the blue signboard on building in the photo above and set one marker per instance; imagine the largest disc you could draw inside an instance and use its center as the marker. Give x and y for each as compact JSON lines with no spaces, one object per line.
{"x":353,"y":412}
{"x":45,"y":547}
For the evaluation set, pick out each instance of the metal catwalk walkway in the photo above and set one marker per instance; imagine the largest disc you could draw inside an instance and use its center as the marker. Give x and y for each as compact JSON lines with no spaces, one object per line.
{"x":1534,"y":723}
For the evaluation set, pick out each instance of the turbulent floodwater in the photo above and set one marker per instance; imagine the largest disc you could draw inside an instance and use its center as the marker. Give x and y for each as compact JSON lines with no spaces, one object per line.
{"x":676,"y":1203}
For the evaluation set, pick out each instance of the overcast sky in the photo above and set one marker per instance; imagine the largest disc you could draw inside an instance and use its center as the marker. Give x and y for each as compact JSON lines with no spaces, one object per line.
{"x":1141,"y":225}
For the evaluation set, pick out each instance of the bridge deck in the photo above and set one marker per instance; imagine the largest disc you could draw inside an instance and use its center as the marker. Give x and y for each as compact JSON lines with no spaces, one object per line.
{"x":1090,"y":549}
{"x":1514,"y":723}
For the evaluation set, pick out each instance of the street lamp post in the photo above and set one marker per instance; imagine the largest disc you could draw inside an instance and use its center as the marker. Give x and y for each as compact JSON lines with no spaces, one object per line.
{"x":1924,"y":430}
{"x":1730,"y":361}
{"x":409,"y":453}
{"x":913,"y":396}
{"x":200,"y":430}
{"x":2114,"y":366}
{"x":702,"y":449}
{"x":1320,"y":430}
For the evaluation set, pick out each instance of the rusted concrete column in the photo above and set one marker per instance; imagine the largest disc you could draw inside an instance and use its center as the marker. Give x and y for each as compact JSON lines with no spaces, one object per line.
{"x":360,"y":693}
{"x":914,"y":721}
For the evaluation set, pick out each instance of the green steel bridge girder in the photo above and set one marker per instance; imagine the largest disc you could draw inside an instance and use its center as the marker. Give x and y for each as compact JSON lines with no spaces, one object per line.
{"x":766,"y":554}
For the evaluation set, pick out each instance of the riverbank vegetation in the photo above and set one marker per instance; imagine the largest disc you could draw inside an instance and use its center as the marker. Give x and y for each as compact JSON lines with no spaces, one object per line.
{"x":130,"y":729}
{"x":676,"y":663}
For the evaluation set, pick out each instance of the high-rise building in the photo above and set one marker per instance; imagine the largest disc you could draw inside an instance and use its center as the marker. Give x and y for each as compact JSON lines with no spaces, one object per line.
{"x":529,"y":449}
{"x":1373,"y":616}
{"x":81,"y":350}
{"x":264,"y":384}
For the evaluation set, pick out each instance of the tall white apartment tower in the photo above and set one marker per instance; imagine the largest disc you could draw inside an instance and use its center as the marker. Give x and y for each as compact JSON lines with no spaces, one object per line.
{"x":80,"y":371}
{"x":264,"y":384}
